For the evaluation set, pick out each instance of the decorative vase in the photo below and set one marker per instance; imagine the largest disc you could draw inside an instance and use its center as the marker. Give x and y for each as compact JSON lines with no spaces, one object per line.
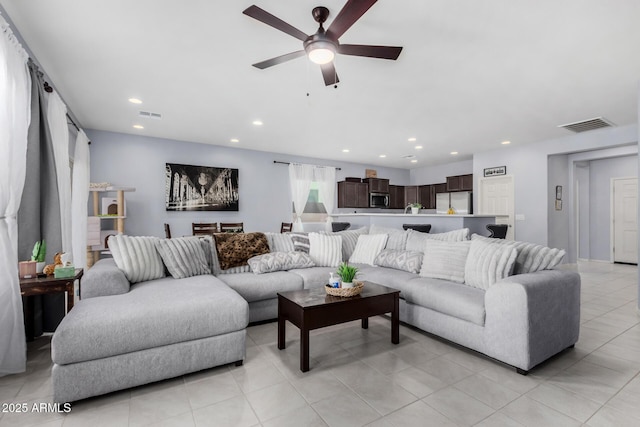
{"x":347,"y":284}
{"x":415,"y":211}
{"x":40,"y":267}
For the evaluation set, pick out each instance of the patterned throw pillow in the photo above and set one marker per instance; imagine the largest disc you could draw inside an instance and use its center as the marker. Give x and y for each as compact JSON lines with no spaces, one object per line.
{"x":183,"y":256}
{"x":530,"y":257}
{"x":300,"y":241}
{"x":235,"y":249}
{"x":410,"y":261}
{"x":137,"y":257}
{"x":280,"y":261}
{"x":445,"y":260}
{"x":397,"y":240}
{"x":325,"y":250}
{"x":416,"y":240}
{"x":368,"y":248}
{"x":488,"y":263}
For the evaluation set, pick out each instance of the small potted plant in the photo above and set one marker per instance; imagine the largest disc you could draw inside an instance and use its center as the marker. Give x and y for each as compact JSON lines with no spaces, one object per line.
{"x":38,"y":254}
{"x":347,"y":273}
{"x":415,"y":208}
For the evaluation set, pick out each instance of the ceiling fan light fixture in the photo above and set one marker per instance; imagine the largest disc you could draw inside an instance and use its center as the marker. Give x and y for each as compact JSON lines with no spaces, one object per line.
{"x":321,"y":52}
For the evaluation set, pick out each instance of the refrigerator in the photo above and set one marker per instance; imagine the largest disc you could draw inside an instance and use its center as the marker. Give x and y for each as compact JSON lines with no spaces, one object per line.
{"x":461,"y":202}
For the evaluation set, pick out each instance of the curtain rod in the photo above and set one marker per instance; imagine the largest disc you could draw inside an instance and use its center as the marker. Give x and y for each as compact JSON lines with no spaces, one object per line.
{"x":70,"y":121}
{"x":288,"y":163}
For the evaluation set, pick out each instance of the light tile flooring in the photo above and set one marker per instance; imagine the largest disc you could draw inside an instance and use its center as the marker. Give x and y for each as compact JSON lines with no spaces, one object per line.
{"x":359,"y":378}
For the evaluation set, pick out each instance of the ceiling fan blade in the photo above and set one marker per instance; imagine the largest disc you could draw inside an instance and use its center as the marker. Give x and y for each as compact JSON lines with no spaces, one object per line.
{"x":382,"y":52}
{"x":279,"y":59}
{"x":263,"y":16}
{"x":350,"y":13}
{"x":329,"y":74}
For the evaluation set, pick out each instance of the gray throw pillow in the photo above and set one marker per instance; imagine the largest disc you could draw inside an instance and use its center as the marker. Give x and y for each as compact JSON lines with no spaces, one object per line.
{"x":279,"y":242}
{"x":280,"y":261}
{"x":488,"y":263}
{"x":445,"y":260}
{"x":410,"y":261}
{"x":300,"y":241}
{"x":183,"y":256}
{"x":416,"y":239}
{"x":397,"y":240}
{"x":137,"y":257}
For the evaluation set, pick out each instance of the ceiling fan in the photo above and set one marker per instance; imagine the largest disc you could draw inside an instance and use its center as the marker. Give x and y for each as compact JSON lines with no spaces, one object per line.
{"x":322,"y":46}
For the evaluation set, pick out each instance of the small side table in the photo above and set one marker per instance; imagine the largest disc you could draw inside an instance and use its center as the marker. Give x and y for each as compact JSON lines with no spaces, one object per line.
{"x":46,"y":285}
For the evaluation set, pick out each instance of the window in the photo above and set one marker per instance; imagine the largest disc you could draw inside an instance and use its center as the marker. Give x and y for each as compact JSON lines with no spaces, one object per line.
{"x":314,"y":210}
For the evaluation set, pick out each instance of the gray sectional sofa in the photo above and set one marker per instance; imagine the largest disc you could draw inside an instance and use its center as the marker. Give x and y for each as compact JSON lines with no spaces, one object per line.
{"x":121,"y":335}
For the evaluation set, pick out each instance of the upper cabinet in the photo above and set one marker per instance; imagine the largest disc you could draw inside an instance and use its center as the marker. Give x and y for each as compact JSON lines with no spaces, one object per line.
{"x":377,"y":185}
{"x":396,"y":197}
{"x":411,"y":194}
{"x":353,"y":194}
{"x":460,"y":183}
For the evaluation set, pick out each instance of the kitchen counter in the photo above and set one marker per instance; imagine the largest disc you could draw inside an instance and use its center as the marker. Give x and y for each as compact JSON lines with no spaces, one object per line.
{"x":440,"y":223}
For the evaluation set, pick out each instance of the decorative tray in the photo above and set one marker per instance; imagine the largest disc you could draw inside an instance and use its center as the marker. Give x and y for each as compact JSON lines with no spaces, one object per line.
{"x":345,"y":292}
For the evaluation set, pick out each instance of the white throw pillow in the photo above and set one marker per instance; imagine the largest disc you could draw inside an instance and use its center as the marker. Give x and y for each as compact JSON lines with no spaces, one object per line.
{"x":445,"y":260}
{"x":325,"y":250}
{"x":488,"y":263}
{"x":137,"y":257}
{"x":397,"y":240}
{"x":416,"y":239}
{"x":368,"y":248}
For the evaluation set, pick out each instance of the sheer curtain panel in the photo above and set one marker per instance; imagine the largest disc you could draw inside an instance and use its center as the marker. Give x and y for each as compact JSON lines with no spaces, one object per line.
{"x":57,"y":119}
{"x":15,"y":89}
{"x":300,"y":179}
{"x":79,"y":200}
{"x":325,"y":176}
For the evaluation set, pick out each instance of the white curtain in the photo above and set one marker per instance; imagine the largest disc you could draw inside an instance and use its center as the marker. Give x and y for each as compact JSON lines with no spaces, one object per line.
{"x":15,"y":114}
{"x":57,"y":119}
{"x":325,"y":176}
{"x":80,"y":200}
{"x":300,"y":179}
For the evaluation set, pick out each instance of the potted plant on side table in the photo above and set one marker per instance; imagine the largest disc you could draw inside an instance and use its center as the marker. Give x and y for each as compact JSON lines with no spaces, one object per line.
{"x":38,"y":255}
{"x":415,"y":208}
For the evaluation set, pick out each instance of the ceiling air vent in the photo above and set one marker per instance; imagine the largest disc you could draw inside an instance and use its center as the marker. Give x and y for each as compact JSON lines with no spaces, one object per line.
{"x":585,"y":125}
{"x":408,"y":156}
{"x":149,"y":115}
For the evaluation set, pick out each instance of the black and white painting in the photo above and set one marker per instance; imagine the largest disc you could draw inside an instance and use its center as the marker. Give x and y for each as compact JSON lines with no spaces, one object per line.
{"x":201,"y":188}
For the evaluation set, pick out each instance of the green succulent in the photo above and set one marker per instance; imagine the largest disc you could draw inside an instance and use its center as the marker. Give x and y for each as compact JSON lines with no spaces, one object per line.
{"x":39,"y":251}
{"x":347,"y":272}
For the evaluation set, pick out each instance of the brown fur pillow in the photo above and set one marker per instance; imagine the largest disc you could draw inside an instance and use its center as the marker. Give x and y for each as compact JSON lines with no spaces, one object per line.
{"x":234,"y":249}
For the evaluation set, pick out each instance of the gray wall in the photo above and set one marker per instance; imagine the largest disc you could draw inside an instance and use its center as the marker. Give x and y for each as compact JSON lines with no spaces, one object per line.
{"x":439,"y":173}
{"x":558,"y":221}
{"x":529,"y":166}
{"x":265,"y":200}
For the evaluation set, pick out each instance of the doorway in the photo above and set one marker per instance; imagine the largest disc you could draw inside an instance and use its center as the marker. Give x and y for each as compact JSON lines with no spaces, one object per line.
{"x":624,"y":217}
{"x":497,"y":198}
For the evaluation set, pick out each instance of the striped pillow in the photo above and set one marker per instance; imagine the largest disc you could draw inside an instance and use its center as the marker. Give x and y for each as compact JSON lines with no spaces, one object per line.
{"x":368,"y":248}
{"x":279,"y":242}
{"x":137,"y":257}
{"x":183,"y":257}
{"x":416,"y":239}
{"x":349,"y":240}
{"x":488,"y":263}
{"x":445,"y":260}
{"x":397,"y":240}
{"x":325,"y":250}
{"x":300,"y":241}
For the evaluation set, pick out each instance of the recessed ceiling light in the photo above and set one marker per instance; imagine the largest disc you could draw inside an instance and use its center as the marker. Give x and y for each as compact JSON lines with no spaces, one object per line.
{"x":258,"y":122}
{"x":235,"y":140}
{"x":505,"y":142}
{"x":135,"y":101}
{"x":453,"y":153}
{"x":382,"y":156}
{"x":138,"y":126}
{"x":412,"y":139}
{"x":414,"y":161}
{"x":418,"y":147}
{"x":346,"y":150}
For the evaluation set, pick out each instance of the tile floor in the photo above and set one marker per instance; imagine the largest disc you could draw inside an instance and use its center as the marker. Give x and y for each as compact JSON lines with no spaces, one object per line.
{"x":359,"y":378}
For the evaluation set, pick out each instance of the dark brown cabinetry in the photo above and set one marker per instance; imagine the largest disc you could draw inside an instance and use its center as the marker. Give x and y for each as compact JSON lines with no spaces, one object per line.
{"x":353,"y":195}
{"x":460,"y":183}
{"x":411,"y":194}
{"x":377,"y":185}
{"x":427,"y":196}
{"x":440,"y":188}
{"x":396,"y":197}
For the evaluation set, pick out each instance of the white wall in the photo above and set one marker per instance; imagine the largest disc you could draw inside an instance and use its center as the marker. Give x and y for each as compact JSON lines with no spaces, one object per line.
{"x":265,"y":199}
{"x":439,"y":173}
{"x":529,"y":166}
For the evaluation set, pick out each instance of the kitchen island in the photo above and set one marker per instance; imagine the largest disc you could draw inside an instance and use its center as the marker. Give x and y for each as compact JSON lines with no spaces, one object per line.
{"x":440,"y":223}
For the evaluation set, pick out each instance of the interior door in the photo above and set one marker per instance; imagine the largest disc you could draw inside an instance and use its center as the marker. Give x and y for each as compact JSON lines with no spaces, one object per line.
{"x":497,"y":198}
{"x":625,"y":220}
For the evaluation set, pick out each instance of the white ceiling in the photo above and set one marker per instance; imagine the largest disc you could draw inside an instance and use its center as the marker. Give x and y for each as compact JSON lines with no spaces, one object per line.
{"x":472,"y":73}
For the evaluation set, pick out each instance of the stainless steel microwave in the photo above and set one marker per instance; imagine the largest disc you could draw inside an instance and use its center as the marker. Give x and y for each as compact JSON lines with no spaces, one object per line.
{"x":378,"y":200}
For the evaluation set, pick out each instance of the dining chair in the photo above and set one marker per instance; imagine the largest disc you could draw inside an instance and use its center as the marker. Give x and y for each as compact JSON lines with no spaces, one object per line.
{"x":204,"y":228}
{"x":167,"y":231}
{"x":232,"y":227}
{"x":286,"y":227}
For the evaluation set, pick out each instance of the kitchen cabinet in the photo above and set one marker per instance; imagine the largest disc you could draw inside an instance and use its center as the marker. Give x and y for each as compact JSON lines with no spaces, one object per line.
{"x":411,"y":194}
{"x":427,"y":196}
{"x":396,"y":197}
{"x":460,"y":183}
{"x":353,"y":194}
{"x":440,"y":188}
{"x":377,"y":185}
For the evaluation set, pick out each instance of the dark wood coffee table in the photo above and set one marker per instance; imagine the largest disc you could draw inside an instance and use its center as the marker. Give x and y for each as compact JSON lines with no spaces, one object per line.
{"x":310,"y":309}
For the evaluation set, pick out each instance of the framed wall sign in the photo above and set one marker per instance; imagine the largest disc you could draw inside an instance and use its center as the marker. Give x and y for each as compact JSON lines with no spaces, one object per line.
{"x":496,"y":171}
